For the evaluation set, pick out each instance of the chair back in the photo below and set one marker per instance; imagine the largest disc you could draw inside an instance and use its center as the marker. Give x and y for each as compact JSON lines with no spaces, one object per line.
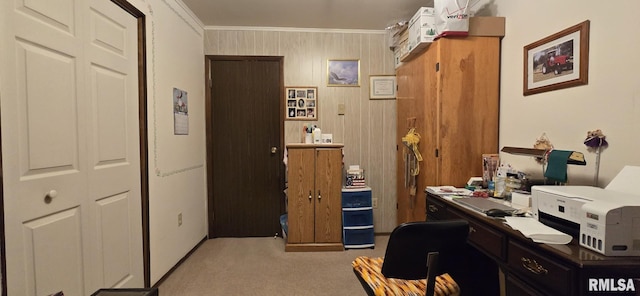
{"x":409,"y":244}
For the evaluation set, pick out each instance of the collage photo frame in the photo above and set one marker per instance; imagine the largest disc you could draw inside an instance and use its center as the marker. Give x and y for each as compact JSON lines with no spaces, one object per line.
{"x":301,"y":103}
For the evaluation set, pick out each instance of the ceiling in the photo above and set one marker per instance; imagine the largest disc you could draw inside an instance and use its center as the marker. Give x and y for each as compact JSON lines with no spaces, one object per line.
{"x":310,"y":14}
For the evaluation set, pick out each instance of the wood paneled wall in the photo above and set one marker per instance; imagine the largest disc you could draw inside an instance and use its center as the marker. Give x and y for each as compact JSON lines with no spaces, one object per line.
{"x":367,"y":129}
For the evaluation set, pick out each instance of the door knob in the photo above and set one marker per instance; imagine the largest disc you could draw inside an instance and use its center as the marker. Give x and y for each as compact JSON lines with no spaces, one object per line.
{"x":50,"y":196}
{"x":274,"y":150}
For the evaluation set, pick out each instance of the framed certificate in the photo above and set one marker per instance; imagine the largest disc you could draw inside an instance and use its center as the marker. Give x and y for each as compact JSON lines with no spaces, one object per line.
{"x":382,"y":87}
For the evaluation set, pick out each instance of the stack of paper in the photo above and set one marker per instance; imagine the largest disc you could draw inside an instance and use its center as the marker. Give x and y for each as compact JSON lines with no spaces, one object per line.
{"x":449,"y":190}
{"x":538,"y":232}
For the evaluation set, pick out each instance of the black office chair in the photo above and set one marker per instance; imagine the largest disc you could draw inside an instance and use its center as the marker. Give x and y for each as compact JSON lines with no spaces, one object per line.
{"x":412,"y":247}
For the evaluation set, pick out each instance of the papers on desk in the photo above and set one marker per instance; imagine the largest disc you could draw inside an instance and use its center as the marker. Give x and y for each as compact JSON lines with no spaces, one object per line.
{"x":448,"y":190}
{"x":538,"y":232}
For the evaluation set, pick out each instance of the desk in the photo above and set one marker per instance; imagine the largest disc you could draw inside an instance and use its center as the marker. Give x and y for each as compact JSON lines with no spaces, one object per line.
{"x":539,"y":269}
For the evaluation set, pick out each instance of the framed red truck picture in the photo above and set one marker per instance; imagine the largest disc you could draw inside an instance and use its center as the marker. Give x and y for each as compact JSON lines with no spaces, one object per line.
{"x":558,"y":61}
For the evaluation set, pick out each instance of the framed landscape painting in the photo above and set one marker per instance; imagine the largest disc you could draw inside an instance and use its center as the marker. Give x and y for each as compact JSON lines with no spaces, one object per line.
{"x":343,"y":73}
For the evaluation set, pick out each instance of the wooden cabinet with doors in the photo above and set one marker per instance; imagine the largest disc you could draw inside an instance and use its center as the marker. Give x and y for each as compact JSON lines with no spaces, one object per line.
{"x":314,"y":197}
{"x":450,"y":94}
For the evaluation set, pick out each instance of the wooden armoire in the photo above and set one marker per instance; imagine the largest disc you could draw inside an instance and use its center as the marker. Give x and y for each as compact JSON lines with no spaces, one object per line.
{"x":450,"y":95}
{"x":314,"y":197}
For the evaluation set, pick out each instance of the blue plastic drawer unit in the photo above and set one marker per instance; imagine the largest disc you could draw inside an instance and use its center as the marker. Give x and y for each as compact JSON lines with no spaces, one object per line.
{"x":357,"y":218}
{"x":356,"y":198}
{"x":359,"y":238}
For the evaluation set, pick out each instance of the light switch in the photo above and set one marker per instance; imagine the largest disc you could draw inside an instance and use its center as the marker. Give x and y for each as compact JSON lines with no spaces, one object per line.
{"x":341,"y":109}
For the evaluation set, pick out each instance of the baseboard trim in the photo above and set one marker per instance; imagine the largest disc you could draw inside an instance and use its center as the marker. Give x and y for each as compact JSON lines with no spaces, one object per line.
{"x":381,"y":233}
{"x":166,"y":275}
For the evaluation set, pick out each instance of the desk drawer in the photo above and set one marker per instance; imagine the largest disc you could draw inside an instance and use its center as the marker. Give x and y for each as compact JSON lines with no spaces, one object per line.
{"x":553,"y":277}
{"x":491,"y":241}
{"x":514,"y":286}
{"x":436,"y":210}
{"x":485,"y":238}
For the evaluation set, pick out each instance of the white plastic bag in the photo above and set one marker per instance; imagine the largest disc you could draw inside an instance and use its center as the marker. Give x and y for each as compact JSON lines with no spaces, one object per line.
{"x":452,"y":17}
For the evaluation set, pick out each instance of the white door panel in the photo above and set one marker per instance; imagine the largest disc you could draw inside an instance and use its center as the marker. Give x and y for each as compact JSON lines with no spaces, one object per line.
{"x":110,"y":158}
{"x":56,"y":25}
{"x":109,"y":33}
{"x":48,"y":114}
{"x":58,"y":15}
{"x":113,"y":216}
{"x":47,"y":123}
{"x":110,"y":117}
{"x":56,"y":243}
{"x":69,"y":84}
{"x":114,"y":174}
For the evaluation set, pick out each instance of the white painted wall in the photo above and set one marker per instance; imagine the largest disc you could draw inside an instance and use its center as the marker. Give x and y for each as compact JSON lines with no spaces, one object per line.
{"x":610,"y":101}
{"x":177,"y":182}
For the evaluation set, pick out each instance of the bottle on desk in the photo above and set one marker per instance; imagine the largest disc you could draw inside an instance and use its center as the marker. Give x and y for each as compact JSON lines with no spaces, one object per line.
{"x":491,"y":188}
{"x":500,"y":186}
{"x":317,"y":135}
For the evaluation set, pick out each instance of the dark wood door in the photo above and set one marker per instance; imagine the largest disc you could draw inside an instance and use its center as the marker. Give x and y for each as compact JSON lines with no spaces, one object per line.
{"x":244,"y":145}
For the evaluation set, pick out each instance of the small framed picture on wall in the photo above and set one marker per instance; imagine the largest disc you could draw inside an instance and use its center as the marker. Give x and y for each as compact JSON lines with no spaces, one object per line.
{"x":382,"y":87}
{"x":557,"y":61}
{"x":301,"y":103}
{"x":343,"y":72}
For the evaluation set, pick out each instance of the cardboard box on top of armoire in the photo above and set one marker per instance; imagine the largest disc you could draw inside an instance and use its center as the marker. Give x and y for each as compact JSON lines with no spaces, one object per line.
{"x":486,"y":26}
{"x":479,"y":26}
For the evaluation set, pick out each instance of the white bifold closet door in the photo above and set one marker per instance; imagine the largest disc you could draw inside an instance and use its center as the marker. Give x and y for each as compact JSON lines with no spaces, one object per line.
{"x":70,"y":147}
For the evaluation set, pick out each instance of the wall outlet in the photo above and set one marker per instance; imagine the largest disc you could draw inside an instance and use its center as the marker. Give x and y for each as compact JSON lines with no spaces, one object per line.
{"x":179,"y":219}
{"x":374,"y":202}
{"x":341,"y":108}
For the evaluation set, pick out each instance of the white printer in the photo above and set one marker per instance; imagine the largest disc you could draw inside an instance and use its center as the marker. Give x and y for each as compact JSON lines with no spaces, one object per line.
{"x":604,"y":220}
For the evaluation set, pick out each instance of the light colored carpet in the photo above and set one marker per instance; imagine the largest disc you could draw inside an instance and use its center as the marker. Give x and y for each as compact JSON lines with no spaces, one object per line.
{"x":260,"y":266}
